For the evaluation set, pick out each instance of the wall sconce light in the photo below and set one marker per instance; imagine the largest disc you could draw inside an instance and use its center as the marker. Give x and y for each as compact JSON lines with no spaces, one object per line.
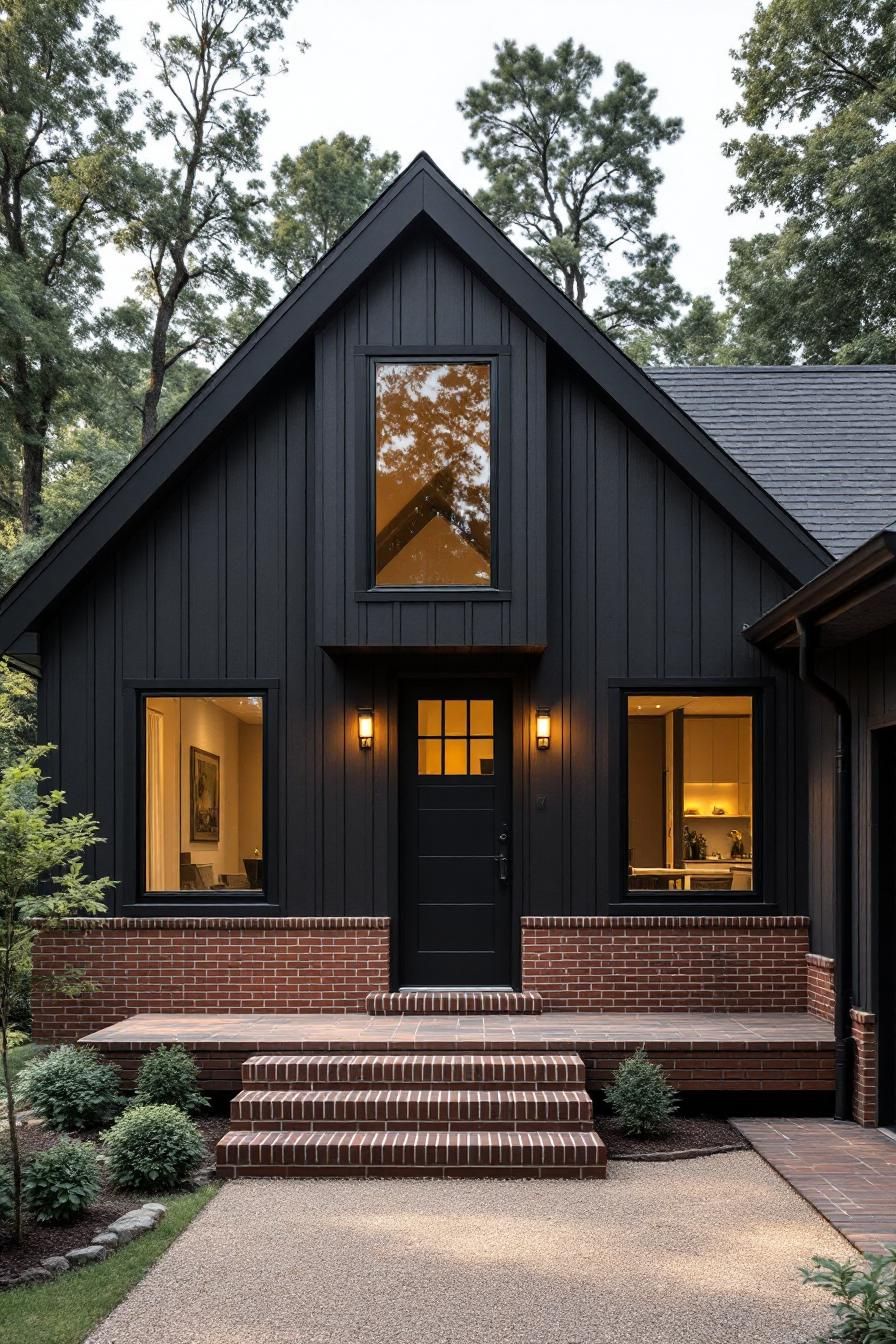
{"x":365,"y":729}
{"x":542,"y":729}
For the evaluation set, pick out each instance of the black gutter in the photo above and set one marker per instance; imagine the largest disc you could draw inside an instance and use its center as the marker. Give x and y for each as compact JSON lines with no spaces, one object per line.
{"x":843,"y":1041}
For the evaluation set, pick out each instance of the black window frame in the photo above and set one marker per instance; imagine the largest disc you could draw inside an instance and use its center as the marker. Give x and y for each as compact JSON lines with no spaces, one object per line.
{"x":369,"y":358}
{"x":135,"y":900}
{"x":760,"y":899}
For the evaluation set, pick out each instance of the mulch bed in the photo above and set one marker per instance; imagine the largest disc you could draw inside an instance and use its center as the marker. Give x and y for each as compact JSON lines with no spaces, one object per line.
{"x":688,"y":1136}
{"x":39,"y":1241}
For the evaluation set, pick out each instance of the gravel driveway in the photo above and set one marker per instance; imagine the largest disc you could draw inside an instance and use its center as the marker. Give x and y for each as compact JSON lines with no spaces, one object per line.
{"x":699,"y":1252}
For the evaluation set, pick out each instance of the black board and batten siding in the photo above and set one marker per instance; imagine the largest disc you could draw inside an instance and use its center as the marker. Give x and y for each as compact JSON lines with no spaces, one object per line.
{"x":865,"y":674}
{"x":245,"y":572}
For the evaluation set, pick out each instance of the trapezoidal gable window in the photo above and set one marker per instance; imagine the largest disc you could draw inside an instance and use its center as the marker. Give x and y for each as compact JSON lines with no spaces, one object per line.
{"x":691,"y":807}
{"x":433,"y":471}
{"x":203,"y":798}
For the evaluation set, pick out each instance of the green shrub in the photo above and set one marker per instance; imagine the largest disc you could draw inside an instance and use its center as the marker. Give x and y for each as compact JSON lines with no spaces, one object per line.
{"x":168,"y":1077}
{"x":7,"y":1206}
{"x":153,"y":1148}
{"x":71,"y":1088}
{"x":62,"y":1182}
{"x":16,"y":1038}
{"x":864,"y":1297}
{"x":640,"y":1096}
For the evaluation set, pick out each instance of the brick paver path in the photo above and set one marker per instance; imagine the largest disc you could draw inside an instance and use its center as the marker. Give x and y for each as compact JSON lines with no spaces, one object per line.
{"x":846,"y":1172}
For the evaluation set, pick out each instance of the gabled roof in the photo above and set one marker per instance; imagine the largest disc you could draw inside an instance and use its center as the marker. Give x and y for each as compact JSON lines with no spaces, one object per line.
{"x":820,"y":439}
{"x":422,"y":193}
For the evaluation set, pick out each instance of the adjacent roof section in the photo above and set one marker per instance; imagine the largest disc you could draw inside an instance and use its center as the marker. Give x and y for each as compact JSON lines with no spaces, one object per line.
{"x":422,"y":194}
{"x":820,"y":439}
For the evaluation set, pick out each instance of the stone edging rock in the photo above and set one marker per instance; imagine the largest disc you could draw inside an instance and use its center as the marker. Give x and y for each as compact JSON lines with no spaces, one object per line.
{"x":130,"y":1225}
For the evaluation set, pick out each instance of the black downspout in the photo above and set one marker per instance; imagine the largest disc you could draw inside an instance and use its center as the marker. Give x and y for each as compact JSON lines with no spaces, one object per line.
{"x":844,"y":1045}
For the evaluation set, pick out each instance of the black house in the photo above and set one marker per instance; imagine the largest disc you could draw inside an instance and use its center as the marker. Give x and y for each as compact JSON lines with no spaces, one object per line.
{"x":429,"y":608}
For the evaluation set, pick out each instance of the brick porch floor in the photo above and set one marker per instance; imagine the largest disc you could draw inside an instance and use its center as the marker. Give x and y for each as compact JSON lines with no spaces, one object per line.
{"x":846,"y":1172}
{"x":701,"y":1051}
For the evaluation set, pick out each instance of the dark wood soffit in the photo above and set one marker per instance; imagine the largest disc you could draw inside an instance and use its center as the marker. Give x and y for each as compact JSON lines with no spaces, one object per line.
{"x":421,"y":192}
{"x":855,"y":597}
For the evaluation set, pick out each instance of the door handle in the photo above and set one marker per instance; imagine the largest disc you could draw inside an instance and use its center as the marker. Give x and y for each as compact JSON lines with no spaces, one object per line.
{"x":503,"y":863}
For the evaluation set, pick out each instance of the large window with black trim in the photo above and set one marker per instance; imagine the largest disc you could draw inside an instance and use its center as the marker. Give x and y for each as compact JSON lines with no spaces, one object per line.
{"x":691,"y":768}
{"x":204,"y":794}
{"x":432,"y":501}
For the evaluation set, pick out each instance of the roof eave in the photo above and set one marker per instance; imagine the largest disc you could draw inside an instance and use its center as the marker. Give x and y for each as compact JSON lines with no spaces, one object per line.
{"x":858,"y":581}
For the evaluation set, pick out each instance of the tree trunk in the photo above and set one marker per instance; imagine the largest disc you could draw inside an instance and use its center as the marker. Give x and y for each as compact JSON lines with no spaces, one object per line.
{"x":156,"y":380}
{"x":34,"y":443}
{"x":14,"y":1154}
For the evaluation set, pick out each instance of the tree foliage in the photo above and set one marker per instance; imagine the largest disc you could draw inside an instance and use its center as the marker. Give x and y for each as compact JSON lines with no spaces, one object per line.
{"x":62,"y":145}
{"x":318,"y":194}
{"x":573,"y":171}
{"x":194,"y":212}
{"x":817,"y":83}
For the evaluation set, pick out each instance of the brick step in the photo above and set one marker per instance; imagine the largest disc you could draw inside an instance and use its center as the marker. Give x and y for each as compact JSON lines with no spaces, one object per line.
{"x":420,"y":1069}
{"x":399,"y":1153}
{"x":411,"y":1109}
{"x":456,"y":1002}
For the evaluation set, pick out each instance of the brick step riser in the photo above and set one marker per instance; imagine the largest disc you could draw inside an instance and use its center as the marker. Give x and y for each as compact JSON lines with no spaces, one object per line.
{"x":550,"y":1072}
{"x":256,"y":1083}
{"x":412,"y":1110}
{"x":433,"y":1172}
{"x":354,"y":1153}
{"x":423,"y":1003}
{"x":415,"y":1126}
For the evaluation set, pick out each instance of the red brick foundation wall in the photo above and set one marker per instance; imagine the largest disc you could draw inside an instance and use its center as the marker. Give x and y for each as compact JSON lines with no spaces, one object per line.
{"x":667,"y":963}
{"x":864,"y":1034}
{"x":315,"y":965}
{"x":820,"y":986}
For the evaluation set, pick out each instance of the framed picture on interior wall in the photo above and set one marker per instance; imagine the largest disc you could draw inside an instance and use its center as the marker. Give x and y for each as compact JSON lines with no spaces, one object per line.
{"x":205,"y":794}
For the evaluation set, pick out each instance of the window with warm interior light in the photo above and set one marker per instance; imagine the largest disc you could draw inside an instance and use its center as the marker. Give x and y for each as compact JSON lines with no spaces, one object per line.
{"x":691,"y":820}
{"x":433,"y":474}
{"x":204,"y":813}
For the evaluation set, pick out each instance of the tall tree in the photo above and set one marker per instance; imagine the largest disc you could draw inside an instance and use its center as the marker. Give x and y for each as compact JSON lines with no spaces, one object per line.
{"x":573,"y":172}
{"x":318,"y":194}
{"x":62,"y":146}
{"x":817,"y":81}
{"x":195,"y":216}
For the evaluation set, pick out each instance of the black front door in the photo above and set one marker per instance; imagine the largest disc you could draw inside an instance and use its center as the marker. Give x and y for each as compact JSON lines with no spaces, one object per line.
{"x":454,"y":820}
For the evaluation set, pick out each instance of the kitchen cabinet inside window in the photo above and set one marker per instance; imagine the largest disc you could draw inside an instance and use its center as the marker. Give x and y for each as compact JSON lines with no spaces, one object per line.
{"x":690,"y":793}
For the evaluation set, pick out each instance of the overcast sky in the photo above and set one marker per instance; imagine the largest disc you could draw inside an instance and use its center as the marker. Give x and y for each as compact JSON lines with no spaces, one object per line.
{"x":394,"y":70}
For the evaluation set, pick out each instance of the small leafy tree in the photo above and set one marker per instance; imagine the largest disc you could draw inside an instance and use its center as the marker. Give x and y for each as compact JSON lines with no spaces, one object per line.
{"x":42,"y":877}
{"x":864,"y":1297}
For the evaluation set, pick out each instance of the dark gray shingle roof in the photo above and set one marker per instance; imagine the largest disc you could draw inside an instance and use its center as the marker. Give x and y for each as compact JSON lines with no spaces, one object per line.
{"x":820,"y":439}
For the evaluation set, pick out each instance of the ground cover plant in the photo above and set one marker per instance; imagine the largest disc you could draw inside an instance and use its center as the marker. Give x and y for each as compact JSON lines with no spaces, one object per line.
{"x":864,"y":1297}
